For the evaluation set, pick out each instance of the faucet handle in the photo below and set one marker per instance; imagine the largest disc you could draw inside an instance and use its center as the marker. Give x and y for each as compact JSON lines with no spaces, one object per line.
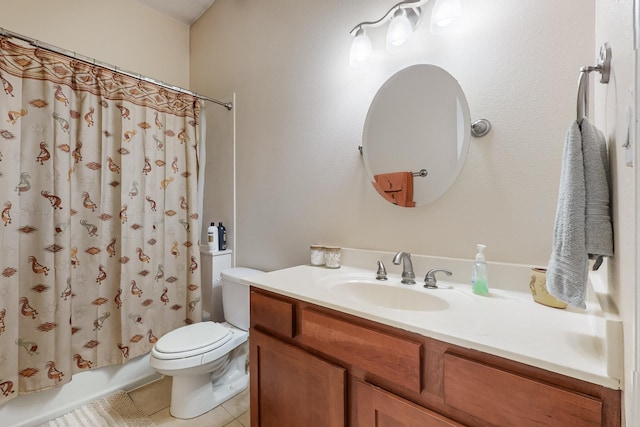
{"x":430,"y":280}
{"x":381,"y":274}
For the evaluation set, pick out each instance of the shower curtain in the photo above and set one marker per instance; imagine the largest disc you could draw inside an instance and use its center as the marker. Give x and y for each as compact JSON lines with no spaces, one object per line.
{"x":99,"y":231}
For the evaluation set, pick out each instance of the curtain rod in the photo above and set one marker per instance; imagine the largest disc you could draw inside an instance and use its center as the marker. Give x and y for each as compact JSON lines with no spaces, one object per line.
{"x":93,"y":61}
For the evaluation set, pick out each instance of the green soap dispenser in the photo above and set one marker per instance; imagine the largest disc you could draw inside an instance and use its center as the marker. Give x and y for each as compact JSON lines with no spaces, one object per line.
{"x":479,"y":279}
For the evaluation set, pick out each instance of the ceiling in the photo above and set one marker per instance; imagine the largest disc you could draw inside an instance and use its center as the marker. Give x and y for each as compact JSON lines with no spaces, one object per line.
{"x":185,"y":11}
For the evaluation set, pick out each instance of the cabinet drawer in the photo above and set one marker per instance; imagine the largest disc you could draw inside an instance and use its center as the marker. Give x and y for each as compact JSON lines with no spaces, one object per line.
{"x":386,"y":356}
{"x":506,"y":399}
{"x":272,"y":314}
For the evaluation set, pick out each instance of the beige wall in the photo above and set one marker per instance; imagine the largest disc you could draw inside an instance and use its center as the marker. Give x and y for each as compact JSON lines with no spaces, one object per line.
{"x":301,"y":109}
{"x":614,"y":25}
{"x":123,"y":33}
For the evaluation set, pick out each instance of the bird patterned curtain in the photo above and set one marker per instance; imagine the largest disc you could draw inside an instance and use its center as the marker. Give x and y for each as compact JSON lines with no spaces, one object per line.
{"x":99,"y":233}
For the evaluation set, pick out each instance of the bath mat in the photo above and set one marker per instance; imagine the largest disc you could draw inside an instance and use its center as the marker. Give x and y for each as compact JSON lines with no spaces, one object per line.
{"x":117,"y":409}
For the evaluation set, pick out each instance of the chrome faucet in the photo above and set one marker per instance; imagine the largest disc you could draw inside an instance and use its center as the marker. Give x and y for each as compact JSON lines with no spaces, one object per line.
{"x":408,"y":276}
{"x":430,"y":280}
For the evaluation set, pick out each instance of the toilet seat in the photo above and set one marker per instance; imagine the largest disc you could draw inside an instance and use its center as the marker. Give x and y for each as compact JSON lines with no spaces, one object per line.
{"x":191,"y":340}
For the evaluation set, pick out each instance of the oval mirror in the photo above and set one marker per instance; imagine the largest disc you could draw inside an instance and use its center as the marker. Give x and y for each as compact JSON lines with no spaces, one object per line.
{"x":416,"y":135}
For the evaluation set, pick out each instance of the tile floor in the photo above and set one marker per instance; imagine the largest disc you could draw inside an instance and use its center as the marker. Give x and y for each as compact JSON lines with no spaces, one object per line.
{"x":154,"y":400}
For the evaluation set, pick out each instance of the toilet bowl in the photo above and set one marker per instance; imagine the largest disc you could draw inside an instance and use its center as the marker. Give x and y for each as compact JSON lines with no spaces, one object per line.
{"x":208,"y":360}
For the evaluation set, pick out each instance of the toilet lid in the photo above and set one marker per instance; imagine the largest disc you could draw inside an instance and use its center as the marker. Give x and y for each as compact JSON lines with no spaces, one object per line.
{"x":193,"y":339}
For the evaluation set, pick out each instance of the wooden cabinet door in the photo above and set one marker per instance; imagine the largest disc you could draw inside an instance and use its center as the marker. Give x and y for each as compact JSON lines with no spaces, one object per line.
{"x":290,"y":387}
{"x":372,"y":406}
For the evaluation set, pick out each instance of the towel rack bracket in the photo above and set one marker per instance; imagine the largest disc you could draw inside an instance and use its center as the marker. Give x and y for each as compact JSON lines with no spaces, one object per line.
{"x":605,"y":63}
{"x":603,"y":66}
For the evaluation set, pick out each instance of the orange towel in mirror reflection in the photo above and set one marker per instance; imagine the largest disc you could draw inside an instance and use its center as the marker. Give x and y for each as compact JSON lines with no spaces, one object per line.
{"x":396,"y":187}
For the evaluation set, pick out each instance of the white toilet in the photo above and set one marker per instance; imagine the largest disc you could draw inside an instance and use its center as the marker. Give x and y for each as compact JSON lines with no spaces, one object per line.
{"x":208,"y":360}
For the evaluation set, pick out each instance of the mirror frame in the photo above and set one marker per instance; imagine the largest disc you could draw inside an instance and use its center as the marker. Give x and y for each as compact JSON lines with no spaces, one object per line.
{"x":414,"y":82}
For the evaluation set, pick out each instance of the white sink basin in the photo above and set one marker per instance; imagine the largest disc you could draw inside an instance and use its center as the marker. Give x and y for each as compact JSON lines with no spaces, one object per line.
{"x":364,"y":289}
{"x":390,"y":297}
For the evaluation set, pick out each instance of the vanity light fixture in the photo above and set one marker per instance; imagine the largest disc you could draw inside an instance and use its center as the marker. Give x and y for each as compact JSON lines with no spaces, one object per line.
{"x":399,"y":31}
{"x":403,"y":19}
{"x":361,"y":48}
{"x":444,"y":14}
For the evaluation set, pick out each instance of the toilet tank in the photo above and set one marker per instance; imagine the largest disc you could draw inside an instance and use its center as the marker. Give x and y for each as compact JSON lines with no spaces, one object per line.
{"x":235,"y":295}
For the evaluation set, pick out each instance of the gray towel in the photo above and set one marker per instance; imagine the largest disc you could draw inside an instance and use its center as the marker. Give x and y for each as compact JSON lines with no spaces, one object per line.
{"x":599,"y":231}
{"x":583,"y":225}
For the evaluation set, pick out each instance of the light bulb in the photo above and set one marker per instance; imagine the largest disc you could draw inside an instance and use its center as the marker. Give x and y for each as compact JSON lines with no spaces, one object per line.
{"x":444,"y":14}
{"x":361,"y":48}
{"x":399,"y":30}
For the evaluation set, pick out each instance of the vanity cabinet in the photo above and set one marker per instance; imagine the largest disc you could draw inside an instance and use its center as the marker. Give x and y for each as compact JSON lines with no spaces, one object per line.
{"x":313,"y":366}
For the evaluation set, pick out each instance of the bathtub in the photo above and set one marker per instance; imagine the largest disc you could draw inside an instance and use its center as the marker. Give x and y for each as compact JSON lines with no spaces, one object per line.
{"x":37,"y":408}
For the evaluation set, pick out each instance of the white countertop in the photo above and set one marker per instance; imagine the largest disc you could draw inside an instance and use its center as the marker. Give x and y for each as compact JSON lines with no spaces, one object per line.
{"x":507,"y":323}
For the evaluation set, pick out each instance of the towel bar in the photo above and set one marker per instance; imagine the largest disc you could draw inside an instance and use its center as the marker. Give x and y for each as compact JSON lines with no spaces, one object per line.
{"x":604,"y":68}
{"x":421,"y":172}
